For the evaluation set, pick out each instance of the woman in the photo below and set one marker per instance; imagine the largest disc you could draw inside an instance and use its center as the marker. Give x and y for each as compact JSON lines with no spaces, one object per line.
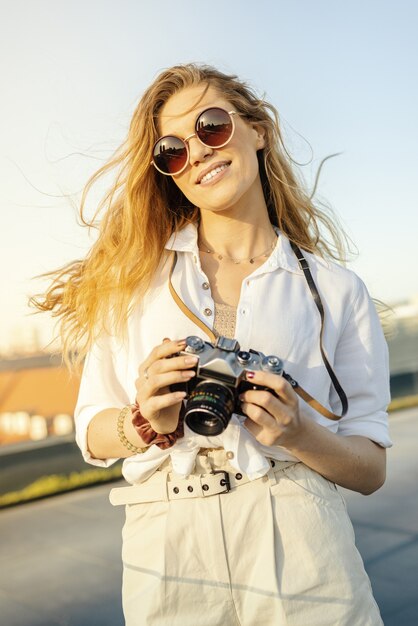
{"x":243,"y":524}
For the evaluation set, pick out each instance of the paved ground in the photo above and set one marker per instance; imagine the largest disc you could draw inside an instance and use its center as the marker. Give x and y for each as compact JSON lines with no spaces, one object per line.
{"x":61,"y":557}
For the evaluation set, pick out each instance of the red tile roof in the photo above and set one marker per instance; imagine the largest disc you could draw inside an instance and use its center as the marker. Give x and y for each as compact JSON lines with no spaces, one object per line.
{"x":43,"y":391}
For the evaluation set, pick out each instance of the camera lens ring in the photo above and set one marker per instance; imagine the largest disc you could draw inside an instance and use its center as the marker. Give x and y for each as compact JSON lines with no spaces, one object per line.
{"x":209,"y":408}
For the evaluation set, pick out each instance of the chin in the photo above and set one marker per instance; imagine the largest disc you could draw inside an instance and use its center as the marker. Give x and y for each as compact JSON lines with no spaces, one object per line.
{"x":223,"y":203}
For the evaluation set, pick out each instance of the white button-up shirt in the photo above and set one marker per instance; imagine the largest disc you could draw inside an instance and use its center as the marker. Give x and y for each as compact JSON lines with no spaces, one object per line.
{"x":276,"y":314}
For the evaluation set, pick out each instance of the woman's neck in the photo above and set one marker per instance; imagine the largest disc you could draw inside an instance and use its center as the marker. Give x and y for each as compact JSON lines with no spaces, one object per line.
{"x":233,"y":237}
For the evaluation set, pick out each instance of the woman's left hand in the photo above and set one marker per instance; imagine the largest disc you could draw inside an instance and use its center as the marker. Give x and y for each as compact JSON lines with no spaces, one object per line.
{"x":270,"y":419}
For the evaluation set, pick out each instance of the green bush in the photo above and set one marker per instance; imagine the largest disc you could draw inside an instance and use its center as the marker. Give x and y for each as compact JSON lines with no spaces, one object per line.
{"x":408,"y":402}
{"x":59,"y":483}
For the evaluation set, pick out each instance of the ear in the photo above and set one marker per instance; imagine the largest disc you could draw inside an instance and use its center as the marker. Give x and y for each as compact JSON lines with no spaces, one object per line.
{"x":260,"y":136}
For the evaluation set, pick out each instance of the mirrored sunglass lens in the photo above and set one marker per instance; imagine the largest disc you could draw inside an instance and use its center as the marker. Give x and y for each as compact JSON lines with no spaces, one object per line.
{"x":214,"y":127}
{"x":170,"y":155}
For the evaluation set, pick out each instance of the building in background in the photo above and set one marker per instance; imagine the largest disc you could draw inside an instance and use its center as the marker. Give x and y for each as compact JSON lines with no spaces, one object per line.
{"x":402,"y":339}
{"x":37,"y":399}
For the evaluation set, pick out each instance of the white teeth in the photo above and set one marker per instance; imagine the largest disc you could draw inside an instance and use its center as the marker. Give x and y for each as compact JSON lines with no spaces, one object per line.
{"x":213,"y":172}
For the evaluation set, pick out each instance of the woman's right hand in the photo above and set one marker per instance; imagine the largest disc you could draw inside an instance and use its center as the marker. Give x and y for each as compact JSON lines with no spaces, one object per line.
{"x":158,"y":404}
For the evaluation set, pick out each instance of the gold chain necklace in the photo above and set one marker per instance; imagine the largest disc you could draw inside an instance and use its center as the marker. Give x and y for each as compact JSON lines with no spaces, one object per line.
{"x":251,"y":259}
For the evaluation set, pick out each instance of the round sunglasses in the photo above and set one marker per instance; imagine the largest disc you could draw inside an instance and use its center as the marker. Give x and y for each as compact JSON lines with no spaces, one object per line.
{"x":214,"y":128}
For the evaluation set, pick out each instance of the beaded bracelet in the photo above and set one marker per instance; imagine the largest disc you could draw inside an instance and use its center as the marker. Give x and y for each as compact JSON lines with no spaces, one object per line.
{"x":122,"y":437}
{"x":148,"y":434}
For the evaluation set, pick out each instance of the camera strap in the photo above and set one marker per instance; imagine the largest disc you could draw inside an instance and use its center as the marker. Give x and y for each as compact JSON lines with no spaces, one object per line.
{"x":304,"y":265}
{"x":302,"y":393}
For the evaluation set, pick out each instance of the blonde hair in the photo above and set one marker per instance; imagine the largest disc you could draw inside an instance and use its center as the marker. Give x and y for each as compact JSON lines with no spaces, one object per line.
{"x":143,"y":208}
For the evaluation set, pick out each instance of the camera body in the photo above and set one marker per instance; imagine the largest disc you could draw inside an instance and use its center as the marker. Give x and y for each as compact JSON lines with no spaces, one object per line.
{"x":213,"y":394}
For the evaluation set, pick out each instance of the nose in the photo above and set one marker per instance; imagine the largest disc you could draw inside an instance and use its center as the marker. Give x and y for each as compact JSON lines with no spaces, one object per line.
{"x":197,"y":150}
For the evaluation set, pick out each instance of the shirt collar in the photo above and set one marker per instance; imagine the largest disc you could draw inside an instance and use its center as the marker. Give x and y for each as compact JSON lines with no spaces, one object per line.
{"x":185,"y":240}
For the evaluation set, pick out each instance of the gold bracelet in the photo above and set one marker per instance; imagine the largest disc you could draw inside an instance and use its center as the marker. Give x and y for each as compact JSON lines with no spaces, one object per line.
{"x":122,"y":437}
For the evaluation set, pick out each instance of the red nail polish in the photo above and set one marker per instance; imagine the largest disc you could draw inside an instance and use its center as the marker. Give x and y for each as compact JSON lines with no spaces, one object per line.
{"x":250,"y":374}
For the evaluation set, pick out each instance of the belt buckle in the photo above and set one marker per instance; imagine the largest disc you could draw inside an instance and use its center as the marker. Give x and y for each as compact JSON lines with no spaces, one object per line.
{"x":225,"y":481}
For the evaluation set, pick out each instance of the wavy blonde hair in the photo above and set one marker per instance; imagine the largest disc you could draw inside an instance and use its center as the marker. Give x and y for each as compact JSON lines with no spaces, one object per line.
{"x":143,"y":208}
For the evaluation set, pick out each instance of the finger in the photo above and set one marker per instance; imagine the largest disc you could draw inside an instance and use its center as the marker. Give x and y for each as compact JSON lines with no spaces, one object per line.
{"x":157,"y":403}
{"x":258,"y":415}
{"x":175,"y":363}
{"x":162,"y":351}
{"x":255,"y":429}
{"x":263,"y":398}
{"x":259,"y":432}
{"x":157,"y":382}
{"x":262,"y":425}
{"x":273,"y":408}
{"x":277,"y":383}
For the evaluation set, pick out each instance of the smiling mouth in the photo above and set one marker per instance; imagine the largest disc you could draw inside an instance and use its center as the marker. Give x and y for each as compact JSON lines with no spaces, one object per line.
{"x":214,"y":172}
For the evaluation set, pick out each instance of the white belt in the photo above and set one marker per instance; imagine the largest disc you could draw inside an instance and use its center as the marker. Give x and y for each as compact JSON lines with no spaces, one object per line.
{"x":167,"y":486}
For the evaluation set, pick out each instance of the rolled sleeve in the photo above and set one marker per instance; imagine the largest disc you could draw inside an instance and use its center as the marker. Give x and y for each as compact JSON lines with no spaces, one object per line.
{"x":362,"y":367}
{"x":99,"y":389}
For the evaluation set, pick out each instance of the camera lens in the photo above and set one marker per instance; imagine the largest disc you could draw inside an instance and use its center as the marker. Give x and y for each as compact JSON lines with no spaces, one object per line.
{"x":209,"y":408}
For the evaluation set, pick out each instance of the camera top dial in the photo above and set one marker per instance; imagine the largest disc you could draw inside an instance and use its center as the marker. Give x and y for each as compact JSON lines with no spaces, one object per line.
{"x":272,"y":364}
{"x":244,"y":357}
{"x":194,"y":344}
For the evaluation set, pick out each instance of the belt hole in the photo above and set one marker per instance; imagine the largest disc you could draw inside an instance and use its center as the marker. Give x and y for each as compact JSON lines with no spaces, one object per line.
{"x":223,"y":482}
{"x":190,"y":488}
{"x":176,"y":489}
{"x":205,"y":487}
{"x":238,"y":476}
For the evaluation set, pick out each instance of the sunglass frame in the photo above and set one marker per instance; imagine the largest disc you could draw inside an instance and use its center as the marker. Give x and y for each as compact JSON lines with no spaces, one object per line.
{"x":186,"y":140}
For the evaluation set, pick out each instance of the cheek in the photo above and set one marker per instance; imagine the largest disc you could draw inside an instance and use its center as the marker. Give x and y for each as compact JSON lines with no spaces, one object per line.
{"x":248,"y":169}
{"x":188,"y":189}
{"x":254,"y":165}
{"x":184,"y":185}
{"x":247,"y":156}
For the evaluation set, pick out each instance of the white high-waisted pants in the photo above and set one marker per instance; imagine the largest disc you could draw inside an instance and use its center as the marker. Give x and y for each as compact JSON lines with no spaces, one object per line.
{"x":275,"y":551}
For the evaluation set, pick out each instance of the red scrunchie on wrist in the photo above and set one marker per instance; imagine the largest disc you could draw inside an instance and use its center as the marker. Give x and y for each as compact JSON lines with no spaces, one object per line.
{"x":148,"y":434}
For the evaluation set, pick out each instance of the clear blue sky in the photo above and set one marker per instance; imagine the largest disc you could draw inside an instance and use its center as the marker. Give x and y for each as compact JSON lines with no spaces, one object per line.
{"x":343,"y":76}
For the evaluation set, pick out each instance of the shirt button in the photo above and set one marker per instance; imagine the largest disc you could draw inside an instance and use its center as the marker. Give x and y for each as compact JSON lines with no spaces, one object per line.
{"x":243,"y":311}
{"x":205,"y":285}
{"x":207,"y":312}
{"x":229,"y":454}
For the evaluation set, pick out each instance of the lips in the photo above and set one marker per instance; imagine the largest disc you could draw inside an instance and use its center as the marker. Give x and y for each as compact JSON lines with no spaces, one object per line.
{"x":211,"y":168}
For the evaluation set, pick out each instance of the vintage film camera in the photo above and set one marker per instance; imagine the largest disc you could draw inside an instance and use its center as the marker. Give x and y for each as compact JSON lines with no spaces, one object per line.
{"x":213,"y":394}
